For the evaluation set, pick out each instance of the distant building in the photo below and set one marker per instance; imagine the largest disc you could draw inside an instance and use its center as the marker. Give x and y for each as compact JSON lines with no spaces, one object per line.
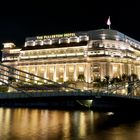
{"x":63,"y":57}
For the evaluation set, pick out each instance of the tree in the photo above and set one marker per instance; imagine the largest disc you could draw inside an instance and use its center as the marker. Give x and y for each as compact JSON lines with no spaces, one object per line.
{"x":97,"y":82}
{"x":134,"y":77}
{"x":81,"y":77}
{"x":124,"y":77}
{"x":11,"y":79}
{"x":107,"y":78}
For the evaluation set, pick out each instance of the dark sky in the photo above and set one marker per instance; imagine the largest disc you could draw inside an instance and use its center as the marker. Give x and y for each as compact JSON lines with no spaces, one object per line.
{"x":30,"y":18}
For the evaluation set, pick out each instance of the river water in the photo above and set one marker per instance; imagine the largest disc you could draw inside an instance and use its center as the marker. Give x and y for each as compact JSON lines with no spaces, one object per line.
{"x":43,"y":124}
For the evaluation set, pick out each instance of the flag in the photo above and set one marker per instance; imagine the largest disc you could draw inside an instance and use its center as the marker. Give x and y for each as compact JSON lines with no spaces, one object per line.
{"x":108,"y":21}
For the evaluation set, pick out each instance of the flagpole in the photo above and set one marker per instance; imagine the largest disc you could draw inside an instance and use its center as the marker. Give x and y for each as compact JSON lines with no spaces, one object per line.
{"x":109,"y":23}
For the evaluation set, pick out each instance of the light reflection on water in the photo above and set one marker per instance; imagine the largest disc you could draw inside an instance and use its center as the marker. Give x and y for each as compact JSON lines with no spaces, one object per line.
{"x":37,"y":124}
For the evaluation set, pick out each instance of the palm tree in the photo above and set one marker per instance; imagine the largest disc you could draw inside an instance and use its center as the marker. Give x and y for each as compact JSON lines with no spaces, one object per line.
{"x":134,"y":77}
{"x":98,"y":83}
{"x":107,"y":78}
{"x":11,"y":79}
{"x":124,"y":77}
{"x":81,"y":77}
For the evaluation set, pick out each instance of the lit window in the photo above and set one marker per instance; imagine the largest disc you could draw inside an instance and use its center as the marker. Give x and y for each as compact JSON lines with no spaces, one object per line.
{"x":101,"y":45}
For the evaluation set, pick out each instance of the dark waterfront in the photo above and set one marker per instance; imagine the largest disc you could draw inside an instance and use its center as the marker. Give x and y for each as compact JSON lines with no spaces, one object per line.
{"x":43,"y":124}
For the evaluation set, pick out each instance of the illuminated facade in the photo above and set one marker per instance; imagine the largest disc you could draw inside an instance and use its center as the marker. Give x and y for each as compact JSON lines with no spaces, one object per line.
{"x":63,"y":57}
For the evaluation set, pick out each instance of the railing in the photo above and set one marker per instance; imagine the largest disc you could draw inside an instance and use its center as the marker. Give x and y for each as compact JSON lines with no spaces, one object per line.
{"x":12,"y":77}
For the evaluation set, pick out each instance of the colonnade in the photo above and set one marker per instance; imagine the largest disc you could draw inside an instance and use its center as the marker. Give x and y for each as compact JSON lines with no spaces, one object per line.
{"x":70,"y":72}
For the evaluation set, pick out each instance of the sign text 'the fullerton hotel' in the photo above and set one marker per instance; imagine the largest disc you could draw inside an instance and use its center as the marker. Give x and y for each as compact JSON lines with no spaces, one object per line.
{"x":55,"y":36}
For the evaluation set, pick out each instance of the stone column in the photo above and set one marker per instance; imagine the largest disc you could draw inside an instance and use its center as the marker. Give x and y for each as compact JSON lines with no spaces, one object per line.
{"x":65,"y":73}
{"x":107,"y":68}
{"x":36,"y":73}
{"x":135,"y":69}
{"x":129,"y":69}
{"x":110,"y":70}
{"x":101,"y":70}
{"x":45,"y":73}
{"x":27,"y":75}
{"x":138,"y":71}
{"x":54,"y":74}
{"x":126,"y":68}
{"x":85,"y":73}
{"x":121,"y":69}
{"x":104,"y":73}
{"x":89,"y":73}
{"x":75,"y":72}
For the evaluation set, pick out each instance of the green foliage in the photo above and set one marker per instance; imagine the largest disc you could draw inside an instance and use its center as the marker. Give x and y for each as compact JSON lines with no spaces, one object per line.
{"x":124,"y":77}
{"x":3,"y":88}
{"x":107,"y":78}
{"x":134,"y":77}
{"x":97,"y":80}
{"x":60,"y":80}
{"x":12,"y":79}
{"x":115,"y":80}
{"x":81,"y":77}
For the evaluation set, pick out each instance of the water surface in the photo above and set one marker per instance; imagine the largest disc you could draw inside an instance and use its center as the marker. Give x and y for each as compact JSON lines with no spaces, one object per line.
{"x":43,"y":124}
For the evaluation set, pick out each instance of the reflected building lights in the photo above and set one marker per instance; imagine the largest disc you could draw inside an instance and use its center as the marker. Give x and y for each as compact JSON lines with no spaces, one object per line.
{"x":66,"y":125}
{"x":82,"y":125}
{"x":35,"y":124}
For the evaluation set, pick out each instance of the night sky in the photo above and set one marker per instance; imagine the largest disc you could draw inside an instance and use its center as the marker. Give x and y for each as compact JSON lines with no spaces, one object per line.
{"x":30,"y":18}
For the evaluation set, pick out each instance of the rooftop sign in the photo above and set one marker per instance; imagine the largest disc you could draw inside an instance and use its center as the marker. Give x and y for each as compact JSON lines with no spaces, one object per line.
{"x":55,"y":36}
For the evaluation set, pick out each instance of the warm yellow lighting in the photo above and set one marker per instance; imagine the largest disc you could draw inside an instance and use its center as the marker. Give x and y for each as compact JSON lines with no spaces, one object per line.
{"x":80,"y":51}
{"x":71,"y":69}
{"x":61,"y":69}
{"x":103,"y":36}
{"x":55,"y":36}
{"x":110,"y":113}
{"x":9,"y":45}
{"x":81,"y":69}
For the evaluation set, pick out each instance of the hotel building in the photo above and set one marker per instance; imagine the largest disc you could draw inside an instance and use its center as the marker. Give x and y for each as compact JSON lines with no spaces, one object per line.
{"x":63,"y":57}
